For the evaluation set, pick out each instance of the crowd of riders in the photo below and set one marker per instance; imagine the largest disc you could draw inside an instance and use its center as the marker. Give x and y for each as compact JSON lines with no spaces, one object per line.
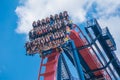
{"x":49,"y":33}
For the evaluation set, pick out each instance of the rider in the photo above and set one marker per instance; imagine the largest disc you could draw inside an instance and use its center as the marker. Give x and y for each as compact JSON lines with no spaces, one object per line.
{"x":65,"y":15}
{"x":34,"y":24}
{"x":60,"y":15}
{"x":51,"y":19}
{"x":38,"y":23}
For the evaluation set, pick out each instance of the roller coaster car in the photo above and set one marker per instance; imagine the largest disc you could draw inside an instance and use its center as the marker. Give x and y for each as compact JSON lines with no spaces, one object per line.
{"x":47,"y":52}
{"x":108,"y":39}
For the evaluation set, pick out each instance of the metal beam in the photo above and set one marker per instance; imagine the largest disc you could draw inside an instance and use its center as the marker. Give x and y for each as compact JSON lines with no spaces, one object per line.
{"x":101,"y":67}
{"x":59,"y":77}
{"x":77,"y":61}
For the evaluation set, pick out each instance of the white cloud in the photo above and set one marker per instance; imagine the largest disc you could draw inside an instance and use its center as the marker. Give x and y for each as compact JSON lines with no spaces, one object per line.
{"x":107,"y":11}
{"x":107,"y":8}
{"x":37,"y":9}
{"x":31,"y":10}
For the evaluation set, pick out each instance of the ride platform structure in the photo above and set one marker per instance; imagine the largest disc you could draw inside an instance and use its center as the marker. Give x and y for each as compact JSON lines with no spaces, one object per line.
{"x":60,"y":42}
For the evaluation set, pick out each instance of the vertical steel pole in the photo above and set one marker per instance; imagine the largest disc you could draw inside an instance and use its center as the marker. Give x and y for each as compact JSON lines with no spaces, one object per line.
{"x":59,"y":69}
{"x":77,"y":61}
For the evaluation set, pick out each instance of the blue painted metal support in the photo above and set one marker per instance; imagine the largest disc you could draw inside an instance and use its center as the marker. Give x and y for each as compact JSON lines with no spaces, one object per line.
{"x":77,"y":61}
{"x":86,"y":67}
{"x":102,"y":55}
{"x":66,"y":66}
{"x":59,"y":77}
{"x":68,"y":52}
{"x":63,"y":72}
{"x":97,"y":30}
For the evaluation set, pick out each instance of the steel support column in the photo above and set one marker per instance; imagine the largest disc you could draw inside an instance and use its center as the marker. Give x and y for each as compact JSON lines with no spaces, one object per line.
{"x":77,"y":61}
{"x":59,"y":77}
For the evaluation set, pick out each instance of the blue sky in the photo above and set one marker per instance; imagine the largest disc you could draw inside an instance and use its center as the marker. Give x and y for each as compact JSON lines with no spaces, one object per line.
{"x":14,"y":65}
{"x":15,"y":21}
